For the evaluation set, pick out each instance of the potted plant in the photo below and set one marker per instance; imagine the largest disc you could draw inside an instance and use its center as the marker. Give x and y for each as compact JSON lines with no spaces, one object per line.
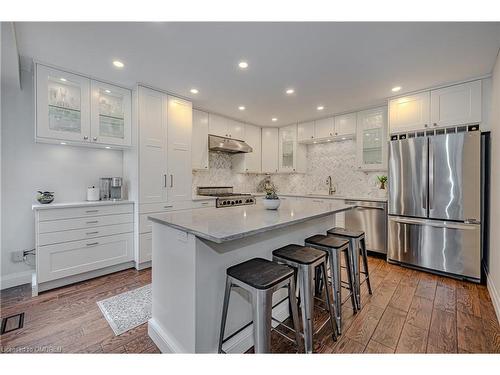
{"x":382,"y":180}
{"x":271,"y":201}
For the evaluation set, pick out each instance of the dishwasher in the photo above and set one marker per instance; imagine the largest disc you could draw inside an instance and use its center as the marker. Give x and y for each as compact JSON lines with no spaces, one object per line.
{"x":370,"y":217}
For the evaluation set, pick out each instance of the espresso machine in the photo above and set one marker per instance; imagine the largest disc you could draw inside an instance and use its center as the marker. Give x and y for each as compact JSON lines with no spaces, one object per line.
{"x":111,"y":188}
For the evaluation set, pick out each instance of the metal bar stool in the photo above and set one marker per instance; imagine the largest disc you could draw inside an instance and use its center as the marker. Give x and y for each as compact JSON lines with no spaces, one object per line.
{"x":305,"y":260}
{"x":334,"y":247}
{"x":261,"y":278}
{"x":357,"y":245}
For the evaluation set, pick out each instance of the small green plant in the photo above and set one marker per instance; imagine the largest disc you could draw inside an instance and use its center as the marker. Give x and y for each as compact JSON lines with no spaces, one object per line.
{"x":382,"y":180}
{"x":271,"y":193}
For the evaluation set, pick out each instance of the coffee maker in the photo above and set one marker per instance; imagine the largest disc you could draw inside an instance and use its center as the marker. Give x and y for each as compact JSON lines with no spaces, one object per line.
{"x":111,"y":188}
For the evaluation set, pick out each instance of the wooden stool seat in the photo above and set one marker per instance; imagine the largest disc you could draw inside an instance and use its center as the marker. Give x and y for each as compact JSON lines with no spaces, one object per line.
{"x":338,"y":231}
{"x":322,"y":240}
{"x":299,"y":254}
{"x":260,"y":273}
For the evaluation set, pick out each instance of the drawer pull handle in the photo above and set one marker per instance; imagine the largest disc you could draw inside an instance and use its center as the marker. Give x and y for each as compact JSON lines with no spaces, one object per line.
{"x":93,"y":222}
{"x":90,"y":211}
{"x":93,"y":244}
{"x":168,"y":206}
{"x":89,"y":233}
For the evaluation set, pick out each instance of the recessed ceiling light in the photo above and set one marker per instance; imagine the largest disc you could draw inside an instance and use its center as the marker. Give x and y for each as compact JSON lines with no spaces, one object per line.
{"x":108,"y":147}
{"x":274,"y":119}
{"x":320,"y":108}
{"x":315,"y":142}
{"x":63,"y":143}
{"x":241,"y":107}
{"x":194,"y":91}
{"x":108,"y":91}
{"x":243,"y":64}
{"x":63,"y":79}
{"x":290,"y":91}
{"x":118,"y":64}
{"x":396,"y":89}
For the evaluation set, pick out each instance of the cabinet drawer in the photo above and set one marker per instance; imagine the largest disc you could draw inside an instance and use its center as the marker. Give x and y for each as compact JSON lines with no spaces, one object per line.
{"x":75,"y":212}
{"x":82,"y":234}
{"x":163,"y":207}
{"x":81,"y":223}
{"x":72,"y":258}
{"x":145,"y":247}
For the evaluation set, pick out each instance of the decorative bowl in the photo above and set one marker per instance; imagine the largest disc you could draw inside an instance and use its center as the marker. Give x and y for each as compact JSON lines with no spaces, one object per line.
{"x":271,"y":204}
{"x":45,"y":197}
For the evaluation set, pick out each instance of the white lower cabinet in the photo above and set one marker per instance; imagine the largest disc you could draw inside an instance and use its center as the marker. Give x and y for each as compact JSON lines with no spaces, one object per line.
{"x":146,"y":244}
{"x":73,"y":243}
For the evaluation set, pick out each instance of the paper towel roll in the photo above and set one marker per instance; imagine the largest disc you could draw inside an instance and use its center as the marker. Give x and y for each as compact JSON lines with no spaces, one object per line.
{"x":92,"y":193}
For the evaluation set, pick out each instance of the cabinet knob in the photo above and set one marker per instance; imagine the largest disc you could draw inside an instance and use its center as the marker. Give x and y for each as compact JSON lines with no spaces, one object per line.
{"x":95,"y":138}
{"x":312,"y":136}
{"x":85,"y":137}
{"x":206,"y":166}
{"x":435,"y":124}
{"x":426,"y":125}
{"x":336,"y":133}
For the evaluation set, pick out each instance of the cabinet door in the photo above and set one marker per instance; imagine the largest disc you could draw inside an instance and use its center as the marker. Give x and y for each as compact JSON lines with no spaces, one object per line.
{"x":253,"y":159}
{"x":110,"y":114}
{"x":456,"y":105}
{"x":270,"y":152}
{"x":62,"y":105}
{"x":410,"y":112}
{"x":287,"y":148}
{"x":236,"y":130}
{"x":305,"y":131}
{"x":323,"y":128}
{"x":345,"y":125}
{"x":152,"y":146}
{"x":218,"y":125}
{"x":199,"y":152}
{"x":180,"y":125}
{"x":371,"y":140}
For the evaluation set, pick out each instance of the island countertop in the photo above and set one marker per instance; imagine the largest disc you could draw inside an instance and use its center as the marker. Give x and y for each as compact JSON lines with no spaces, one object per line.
{"x":231,"y":223}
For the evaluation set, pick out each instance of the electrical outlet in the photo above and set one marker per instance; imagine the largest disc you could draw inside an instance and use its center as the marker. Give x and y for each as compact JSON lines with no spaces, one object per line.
{"x":17,"y":256}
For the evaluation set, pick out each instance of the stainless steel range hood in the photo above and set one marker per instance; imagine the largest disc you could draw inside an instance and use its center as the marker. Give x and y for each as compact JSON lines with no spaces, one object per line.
{"x":232,"y":146}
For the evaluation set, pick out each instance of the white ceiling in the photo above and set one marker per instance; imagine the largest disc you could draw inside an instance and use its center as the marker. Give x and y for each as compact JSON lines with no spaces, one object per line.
{"x":343,"y":66}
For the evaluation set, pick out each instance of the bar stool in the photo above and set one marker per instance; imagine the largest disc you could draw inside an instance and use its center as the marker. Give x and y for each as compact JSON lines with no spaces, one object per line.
{"x":357,"y":244}
{"x":261,"y":278}
{"x":334,"y":247}
{"x":305,"y":260}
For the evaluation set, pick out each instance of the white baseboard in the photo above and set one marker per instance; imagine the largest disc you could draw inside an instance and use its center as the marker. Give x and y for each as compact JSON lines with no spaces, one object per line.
{"x":15,"y":279}
{"x":240,"y":343}
{"x":494,"y":294}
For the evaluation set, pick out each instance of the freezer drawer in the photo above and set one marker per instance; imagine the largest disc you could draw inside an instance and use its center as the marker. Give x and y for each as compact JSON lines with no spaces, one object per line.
{"x":370,"y":217}
{"x":442,"y":246}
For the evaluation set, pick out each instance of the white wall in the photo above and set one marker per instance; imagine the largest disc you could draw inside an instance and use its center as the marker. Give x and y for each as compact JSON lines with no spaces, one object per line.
{"x":28,"y":166}
{"x":494,"y":252}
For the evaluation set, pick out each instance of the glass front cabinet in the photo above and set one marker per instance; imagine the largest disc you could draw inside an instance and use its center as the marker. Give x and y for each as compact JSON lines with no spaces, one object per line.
{"x":371,"y":139}
{"x":287,"y":148}
{"x":74,"y":108}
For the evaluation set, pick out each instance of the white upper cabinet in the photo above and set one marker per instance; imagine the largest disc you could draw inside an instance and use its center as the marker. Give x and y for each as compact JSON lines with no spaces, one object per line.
{"x":345,"y":125}
{"x":180,"y":125}
{"x":305,"y":131}
{"x":250,"y":162}
{"x":62,"y":105}
{"x":152,"y":146}
{"x":226,"y":127}
{"x":270,"y":142}
{"x":371,"y":140}
{"x":324,"y":128}
{"x":456,"y":105}
{"x":411,"y":112}
{"x":199,"y":151}
{"x":111,"y":114}
{"x":71,"y":107}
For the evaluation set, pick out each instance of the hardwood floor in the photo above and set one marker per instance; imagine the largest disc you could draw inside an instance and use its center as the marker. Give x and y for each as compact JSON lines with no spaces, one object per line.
{"x":409,"y":312}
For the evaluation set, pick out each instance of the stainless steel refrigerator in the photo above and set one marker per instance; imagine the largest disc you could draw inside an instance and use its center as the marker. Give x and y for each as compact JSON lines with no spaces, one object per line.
{"x":435,"y":202}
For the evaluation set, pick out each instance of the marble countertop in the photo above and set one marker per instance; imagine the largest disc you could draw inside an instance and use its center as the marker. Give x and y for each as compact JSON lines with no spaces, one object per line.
{"x":326,"y":196}
{"x":231,"y":223}
{"x":39,"y":206}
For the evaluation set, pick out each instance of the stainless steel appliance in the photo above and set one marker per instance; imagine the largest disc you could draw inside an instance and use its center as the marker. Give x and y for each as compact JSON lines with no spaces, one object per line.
{"x":230,"y":145}
{"x":111,"y":188}
{"x":225,"y":196}
{"x":435,"y":200}
{"x":371,"y":218}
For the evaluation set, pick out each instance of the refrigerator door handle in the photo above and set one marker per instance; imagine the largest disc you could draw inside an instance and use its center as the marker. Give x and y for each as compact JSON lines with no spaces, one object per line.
{"x":423,"y":186}
{"x":432,"y":223}
{"x":431,"y":175}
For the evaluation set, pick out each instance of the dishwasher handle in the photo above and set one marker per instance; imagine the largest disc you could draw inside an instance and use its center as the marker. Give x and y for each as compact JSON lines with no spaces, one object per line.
{"x":362,"y":204}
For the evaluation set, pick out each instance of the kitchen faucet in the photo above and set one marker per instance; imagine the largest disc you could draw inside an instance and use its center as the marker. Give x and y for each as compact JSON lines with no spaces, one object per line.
{"x":332,"y":189}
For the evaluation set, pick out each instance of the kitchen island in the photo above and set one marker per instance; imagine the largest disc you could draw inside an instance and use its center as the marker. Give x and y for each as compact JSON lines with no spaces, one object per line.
{"x":192,"y":250}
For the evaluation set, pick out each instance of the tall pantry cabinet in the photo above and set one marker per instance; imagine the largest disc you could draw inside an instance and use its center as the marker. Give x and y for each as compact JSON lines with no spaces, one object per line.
{"x":159,"y":166}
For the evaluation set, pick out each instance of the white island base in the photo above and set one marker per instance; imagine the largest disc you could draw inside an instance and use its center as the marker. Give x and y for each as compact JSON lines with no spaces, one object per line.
{"x":188,"y":280}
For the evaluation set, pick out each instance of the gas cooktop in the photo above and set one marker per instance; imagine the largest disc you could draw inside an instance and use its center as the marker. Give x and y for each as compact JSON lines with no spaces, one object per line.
{"x":225,"y":196}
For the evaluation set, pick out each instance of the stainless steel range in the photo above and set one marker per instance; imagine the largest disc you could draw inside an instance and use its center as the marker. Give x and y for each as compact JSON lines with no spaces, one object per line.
{"x":225,"y":196}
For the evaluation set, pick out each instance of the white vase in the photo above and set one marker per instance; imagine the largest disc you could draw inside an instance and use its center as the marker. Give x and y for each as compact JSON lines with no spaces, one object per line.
{"x":271,"y":204}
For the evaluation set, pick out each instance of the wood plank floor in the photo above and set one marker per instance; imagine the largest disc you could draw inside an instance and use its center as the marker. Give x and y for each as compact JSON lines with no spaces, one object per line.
{"x":409,"y":312}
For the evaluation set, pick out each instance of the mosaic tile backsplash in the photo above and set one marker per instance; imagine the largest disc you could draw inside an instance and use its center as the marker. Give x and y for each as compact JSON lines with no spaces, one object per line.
{"x":336,"y":159}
